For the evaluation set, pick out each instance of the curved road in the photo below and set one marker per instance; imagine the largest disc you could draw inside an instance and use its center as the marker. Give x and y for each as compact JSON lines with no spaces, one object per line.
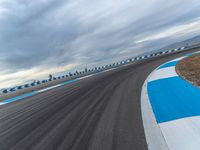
{"x":97,"y":113}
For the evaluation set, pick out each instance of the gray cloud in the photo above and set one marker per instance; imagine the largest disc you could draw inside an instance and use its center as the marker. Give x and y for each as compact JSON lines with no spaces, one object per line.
{"x":56,"y":33}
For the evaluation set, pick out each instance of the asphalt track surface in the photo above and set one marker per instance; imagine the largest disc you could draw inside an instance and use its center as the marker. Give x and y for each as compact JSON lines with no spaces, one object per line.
{"x":97,"y":113}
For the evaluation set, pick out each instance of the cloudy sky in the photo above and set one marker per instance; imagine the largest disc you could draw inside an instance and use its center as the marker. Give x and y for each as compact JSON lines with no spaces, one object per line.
{"x":38,"y":37}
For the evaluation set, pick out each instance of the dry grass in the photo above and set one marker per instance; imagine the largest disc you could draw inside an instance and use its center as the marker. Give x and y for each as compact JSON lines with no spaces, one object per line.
{"x":189,"y":69}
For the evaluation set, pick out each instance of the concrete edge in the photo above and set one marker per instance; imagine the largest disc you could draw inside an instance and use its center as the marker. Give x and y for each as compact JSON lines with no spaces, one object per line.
{"x":154,"y":137}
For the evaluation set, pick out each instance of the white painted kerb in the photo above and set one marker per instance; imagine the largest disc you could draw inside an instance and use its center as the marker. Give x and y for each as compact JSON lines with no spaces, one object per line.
{"x":153,"y":134}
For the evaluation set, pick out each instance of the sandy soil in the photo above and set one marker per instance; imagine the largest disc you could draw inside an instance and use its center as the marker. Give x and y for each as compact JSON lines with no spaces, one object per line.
{"x":189,"y":69}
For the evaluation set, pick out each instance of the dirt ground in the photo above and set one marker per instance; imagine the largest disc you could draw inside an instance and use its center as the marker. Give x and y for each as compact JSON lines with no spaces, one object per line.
{"x":189,"y":69}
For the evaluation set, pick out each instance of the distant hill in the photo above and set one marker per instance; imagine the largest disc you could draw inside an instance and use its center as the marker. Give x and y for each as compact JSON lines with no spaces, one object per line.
{"x":192,"y":42}
{"x":189,"y":42}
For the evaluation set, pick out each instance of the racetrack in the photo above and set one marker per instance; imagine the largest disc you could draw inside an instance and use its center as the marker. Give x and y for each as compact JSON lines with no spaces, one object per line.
{"x":97,"y":113}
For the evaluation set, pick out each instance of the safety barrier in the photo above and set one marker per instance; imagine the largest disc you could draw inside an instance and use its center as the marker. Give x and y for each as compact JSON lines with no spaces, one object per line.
{"x":89,"y":71}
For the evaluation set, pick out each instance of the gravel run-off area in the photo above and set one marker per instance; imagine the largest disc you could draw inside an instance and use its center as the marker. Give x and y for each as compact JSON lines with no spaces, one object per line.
{"x":189,"y":69}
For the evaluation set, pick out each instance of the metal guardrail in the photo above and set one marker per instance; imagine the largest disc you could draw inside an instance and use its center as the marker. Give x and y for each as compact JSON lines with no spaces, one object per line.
{"x":89,"y":71}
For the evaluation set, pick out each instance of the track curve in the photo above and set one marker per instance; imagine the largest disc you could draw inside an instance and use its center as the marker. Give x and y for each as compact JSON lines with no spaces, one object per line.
{"x":97,"y":113}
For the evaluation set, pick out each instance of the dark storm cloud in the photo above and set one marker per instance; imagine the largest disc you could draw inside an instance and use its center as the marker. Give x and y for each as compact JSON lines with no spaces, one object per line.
{"x":51,"y":33}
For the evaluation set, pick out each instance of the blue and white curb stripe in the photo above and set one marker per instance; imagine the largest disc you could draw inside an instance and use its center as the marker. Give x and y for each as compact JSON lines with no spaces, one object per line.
{"x":176,"y":107}
{"x":153,"y":134}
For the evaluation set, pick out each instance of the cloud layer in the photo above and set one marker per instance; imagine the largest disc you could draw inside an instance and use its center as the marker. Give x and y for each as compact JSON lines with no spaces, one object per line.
{"x":52,"y":34}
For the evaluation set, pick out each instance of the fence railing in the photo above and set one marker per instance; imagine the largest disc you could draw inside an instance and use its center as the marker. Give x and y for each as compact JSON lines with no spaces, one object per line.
{"x":77,"y":74}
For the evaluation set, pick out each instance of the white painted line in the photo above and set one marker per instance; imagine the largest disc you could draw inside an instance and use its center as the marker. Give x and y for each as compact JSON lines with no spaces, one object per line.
{"x":85,"y":77}
{"x":2,"y":103}
{"x":196,"y":52}
{"x":182,"y":134}
{"x":49,"y":88}
{"x":163,"y":73}
{"x":177,"y":59}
